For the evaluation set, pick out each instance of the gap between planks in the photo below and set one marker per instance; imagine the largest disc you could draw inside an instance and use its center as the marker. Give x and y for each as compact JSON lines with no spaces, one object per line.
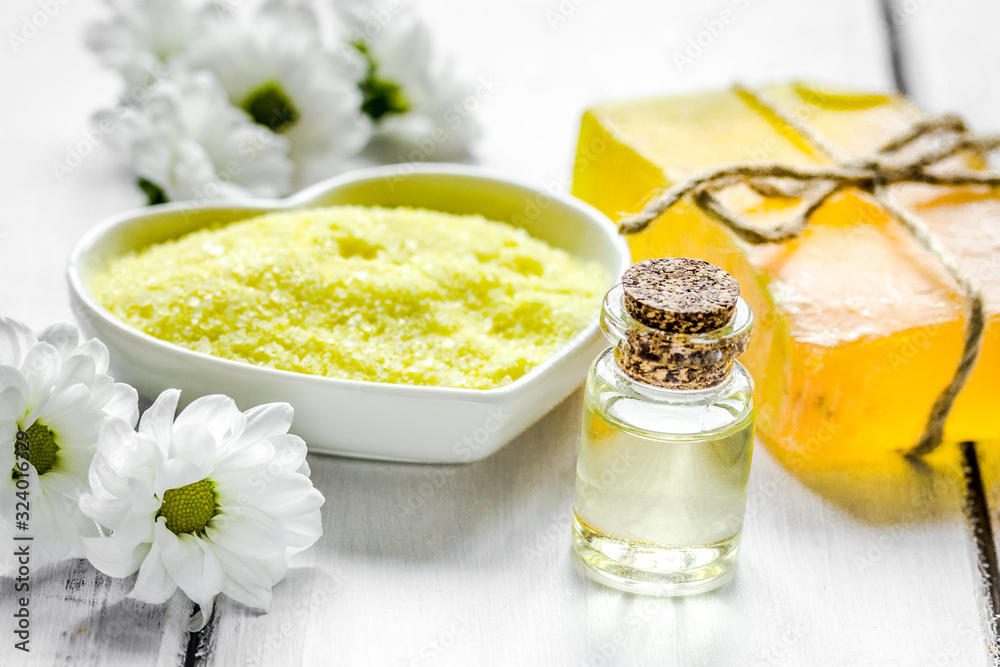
{"x":976,"y":505}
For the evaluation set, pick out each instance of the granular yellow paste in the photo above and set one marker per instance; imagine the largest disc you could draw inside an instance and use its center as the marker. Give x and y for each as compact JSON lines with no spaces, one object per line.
{"x":407,"y":296}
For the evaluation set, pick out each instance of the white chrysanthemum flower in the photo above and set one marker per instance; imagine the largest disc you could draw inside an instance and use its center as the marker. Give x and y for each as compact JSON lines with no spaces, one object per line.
{"x":54,"y":396}
{"x":212,"y":502}
{"x":411,"y":91}
{"x":274,"y":66}
{"x":140,"y":38}
{"x":185,"y":141}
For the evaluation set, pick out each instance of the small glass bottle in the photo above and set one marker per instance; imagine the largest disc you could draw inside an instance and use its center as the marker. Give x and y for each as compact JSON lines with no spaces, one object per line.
{"x":667,"y":434}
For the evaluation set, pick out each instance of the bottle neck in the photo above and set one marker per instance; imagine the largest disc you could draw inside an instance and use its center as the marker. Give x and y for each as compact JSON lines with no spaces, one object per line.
{"x":653,"y":364}
{"x":672,"y":360}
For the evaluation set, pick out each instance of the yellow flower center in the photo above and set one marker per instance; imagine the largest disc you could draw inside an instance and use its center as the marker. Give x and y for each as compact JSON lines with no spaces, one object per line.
{"x":188,"y":509}
{"x":41,"y":448}
{"x":270,"y":106}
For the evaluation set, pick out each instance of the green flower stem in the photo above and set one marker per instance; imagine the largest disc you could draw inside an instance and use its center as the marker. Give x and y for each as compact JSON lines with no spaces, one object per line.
{"x":154,"y":193}
{"x":380,"y":96}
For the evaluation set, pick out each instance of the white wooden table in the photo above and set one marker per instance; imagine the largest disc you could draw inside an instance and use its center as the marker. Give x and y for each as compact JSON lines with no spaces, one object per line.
{"x":470,"y":565}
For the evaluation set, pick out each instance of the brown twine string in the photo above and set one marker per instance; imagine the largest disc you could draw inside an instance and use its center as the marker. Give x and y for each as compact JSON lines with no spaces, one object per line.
{"x":873,"y":174}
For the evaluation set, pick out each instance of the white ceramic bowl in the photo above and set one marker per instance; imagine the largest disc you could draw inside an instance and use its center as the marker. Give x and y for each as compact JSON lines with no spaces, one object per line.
{"x":363,"y":419}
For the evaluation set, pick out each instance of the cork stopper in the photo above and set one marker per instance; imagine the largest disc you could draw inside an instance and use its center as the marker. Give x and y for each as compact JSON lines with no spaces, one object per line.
{"x":677,"y":323}
{"x":680,"y":295}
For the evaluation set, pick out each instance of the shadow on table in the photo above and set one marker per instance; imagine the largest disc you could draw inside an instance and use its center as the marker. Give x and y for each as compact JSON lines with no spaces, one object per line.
{"x":416,"y":512}
{"x":889,"y":488}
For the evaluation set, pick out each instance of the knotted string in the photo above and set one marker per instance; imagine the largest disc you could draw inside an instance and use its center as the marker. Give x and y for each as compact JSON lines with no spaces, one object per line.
{"x":873,"y":174}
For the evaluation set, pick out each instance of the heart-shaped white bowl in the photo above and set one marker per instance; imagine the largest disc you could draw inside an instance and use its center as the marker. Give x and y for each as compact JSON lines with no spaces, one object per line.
{"x":363,"y":419}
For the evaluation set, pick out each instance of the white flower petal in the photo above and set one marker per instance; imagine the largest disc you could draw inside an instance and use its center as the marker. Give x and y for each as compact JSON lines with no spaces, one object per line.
{"x":63,"y":336}
{"x":289,"y":451}
{"x":278,"y":46}
{"x":191,"y":564}
{"x":158,"y":420}
{"x":175,"y":473}
{"x":302,"y":531}
{"x":140,"y":496}
{"x":128,"y":453}
{"x":154,"y":584}
{"x":41,"y":369}
{"x":106,"y":511}
{"x":13,"y":401}
{"x":195,"y":445}
{"x":76,"y":429}
{"x":105,"y":555}
{"x":248,"y":582}
{"x":97,"y":351}
{"x":142,"y":37}
{"x":241,"y":462}
{"x":123,"y":403}
{"x":58,"y":483}
{"x":265,"y":421}
{"x":135,"y":527}
{"x":74,"y":398}
{"x":287,"y":494}
{"x":101,"y":390}
{"x":105,"y":482}
{"x":57,"y":525}
{"x":403,"y":53}
{"x":188,"y":139}
{"x":76,"y":369}
{"x":216,"y":413}
{"x":16,"y":338}
{"x":200,"y":618}
{"x":257,"y":537}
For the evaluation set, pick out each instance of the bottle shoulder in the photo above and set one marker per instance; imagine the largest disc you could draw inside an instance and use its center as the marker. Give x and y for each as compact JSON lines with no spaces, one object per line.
{"x":651,"y":411}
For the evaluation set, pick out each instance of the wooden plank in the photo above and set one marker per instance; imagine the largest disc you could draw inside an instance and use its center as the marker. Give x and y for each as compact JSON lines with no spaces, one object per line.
{"x":448,"y":565}
{"x":80,"y":617}
{"x":946,"y":60}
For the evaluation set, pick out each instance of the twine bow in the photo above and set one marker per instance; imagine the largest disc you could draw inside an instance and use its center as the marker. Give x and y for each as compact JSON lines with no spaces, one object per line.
{"x":910,"y":158}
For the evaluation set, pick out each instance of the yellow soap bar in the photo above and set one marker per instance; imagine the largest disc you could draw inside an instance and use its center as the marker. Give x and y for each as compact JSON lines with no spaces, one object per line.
{"x":858,"y":328}
{"x":406,"y":296}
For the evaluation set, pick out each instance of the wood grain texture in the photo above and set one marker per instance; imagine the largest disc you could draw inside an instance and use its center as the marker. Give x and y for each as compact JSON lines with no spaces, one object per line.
{"x":948,"y":52}
{"x":80,"y":617}
{"x":438,"y":565}
{"x":429,"y":565}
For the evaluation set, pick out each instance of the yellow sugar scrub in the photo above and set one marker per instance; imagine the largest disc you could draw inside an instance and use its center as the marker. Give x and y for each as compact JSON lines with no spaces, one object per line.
{"x":400,"y":295}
